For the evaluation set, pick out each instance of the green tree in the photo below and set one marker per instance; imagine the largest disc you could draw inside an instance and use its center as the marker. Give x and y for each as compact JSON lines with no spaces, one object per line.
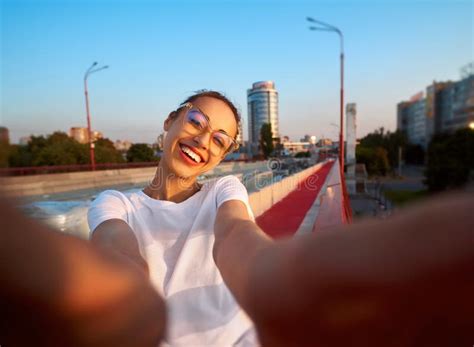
{"x":57,"y":149}
{"x":54,"y":155}
{"x":450,"y":161}
{"x":19,"y":156}
{"x":140,"y":152}
{"x":4,"y":154}
{"x":266,"y":140}
{"x":374,"y":139}
{"x":393,"y":142}
{"x":36,"y":143}
{"x":105,"y":152}
{"x":375,"y":160}
{"x":382,"y":163}
{"x":414,"y":154}
{"x":389,"y":141}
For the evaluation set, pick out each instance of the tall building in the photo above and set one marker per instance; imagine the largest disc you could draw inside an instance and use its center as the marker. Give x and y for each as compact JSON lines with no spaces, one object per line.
{"x":122,"y":145}
{"x":443,"y":104}
{"x":411,"y":118}
{"x":323,"y":142}
{"x":97,"y":135}
{"x":262,"y":101}
{"x":351,"y":134}
{"x":160,"y":140}
{"x":81,"y":134}
{"x":447,"y":107}
{"x":4,"y":135}
{"x":460,"y":96}
{"x":351,"y":140}
{"x":240,"y":136}
{"x":309,"y":138}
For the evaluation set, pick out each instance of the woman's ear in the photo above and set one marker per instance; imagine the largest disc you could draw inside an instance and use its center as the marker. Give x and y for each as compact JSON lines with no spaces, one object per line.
{"x":169,"y":120}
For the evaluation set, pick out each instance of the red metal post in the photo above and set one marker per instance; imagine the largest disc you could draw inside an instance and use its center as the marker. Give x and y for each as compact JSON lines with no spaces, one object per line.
{"x":327,"y":27}
{"x":341,"y":130}
{"x":89,"y":131}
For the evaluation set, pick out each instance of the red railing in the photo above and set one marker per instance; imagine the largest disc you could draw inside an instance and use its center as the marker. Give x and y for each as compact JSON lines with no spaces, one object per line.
{"x":347,"y":210}
{"x":39,"y":170}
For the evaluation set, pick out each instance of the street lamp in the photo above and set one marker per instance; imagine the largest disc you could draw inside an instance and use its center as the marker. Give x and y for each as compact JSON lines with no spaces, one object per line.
{"x":471,"y":125}
{"x":321,"y":26}
{"x":90,"y":71}
{"x":335,"y":126}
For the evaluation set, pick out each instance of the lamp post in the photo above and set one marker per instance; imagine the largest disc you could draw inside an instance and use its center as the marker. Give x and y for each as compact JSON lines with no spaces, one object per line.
{"x":321,"y":26}
{"x":90,"y":71}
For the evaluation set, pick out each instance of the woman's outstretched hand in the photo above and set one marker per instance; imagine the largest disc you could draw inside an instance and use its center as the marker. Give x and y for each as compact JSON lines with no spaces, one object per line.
{"x":406,"y":281}
{"x":58,"y":290}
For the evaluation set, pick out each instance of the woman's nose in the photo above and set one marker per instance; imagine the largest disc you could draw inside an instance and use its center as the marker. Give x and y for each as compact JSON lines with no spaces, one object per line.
{"x":203,"y":140}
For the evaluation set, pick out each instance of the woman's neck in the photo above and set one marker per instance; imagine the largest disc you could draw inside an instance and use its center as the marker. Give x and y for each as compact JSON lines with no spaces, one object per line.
{"x":167,"y":186}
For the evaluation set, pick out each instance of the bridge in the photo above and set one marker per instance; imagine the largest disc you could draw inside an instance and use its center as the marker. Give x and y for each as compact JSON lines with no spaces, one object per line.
{"x":318,"y":200}
{"x":305,"y":197}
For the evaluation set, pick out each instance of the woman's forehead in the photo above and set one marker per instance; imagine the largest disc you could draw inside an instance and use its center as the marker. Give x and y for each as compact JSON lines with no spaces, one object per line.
{"x":220,"y":115}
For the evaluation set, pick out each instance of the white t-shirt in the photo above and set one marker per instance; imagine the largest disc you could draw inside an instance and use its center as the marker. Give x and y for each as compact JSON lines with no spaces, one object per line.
{"x":176,"y":240}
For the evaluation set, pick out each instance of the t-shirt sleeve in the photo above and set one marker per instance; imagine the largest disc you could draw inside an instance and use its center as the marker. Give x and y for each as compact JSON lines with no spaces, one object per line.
{"x":230,"y":188}
{"x":109,"y":204}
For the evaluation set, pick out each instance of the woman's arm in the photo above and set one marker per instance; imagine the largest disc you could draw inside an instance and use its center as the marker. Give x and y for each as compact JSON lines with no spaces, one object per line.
{"x":238,"y":240}
{"x":117,"y":236}
{"x":62,"y":291}
{"x":404,"y":281}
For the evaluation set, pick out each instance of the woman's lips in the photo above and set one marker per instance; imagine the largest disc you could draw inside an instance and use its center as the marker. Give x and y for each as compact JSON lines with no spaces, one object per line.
{"x":187,"y":159}
{"x":194,"y":150}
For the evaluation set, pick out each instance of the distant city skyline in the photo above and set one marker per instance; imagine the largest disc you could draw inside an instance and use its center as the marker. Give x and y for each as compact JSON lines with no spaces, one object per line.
{"x":159,"y":52}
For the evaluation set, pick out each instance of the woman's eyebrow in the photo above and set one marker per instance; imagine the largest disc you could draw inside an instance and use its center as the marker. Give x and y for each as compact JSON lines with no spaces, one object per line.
{"x":223,"y":131}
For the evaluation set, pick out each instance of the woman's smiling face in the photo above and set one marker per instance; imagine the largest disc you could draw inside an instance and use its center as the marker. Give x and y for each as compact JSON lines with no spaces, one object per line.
{"x":188,"y":154}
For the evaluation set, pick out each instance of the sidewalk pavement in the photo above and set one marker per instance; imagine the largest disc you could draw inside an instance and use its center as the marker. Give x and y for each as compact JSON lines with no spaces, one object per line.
{"x":285,"y":217}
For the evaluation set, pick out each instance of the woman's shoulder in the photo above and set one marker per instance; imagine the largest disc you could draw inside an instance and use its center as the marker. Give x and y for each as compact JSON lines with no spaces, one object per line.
{"x":225,"y":181}
{"x":112,"y":196}
{"x":228,"y":184}
{"x":111,"y":193}
{"x":230,"y":188}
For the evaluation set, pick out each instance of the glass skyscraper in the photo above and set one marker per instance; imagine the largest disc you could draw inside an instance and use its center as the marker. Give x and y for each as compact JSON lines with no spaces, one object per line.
{"x":262,"y":100}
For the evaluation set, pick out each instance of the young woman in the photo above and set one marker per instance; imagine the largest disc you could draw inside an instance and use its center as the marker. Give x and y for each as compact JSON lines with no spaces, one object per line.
{"x":168,"y":228}
{"x":406,"y":281}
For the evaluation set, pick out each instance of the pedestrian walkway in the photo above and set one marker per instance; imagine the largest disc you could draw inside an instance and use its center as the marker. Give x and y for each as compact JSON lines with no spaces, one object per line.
{"x":284,"y":218}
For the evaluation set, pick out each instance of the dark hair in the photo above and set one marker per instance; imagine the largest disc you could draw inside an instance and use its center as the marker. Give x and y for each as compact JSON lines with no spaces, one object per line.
{"x":219,"y":96}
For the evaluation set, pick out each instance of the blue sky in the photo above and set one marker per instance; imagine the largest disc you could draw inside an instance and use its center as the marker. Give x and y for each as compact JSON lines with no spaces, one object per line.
{"x":159,"y":52}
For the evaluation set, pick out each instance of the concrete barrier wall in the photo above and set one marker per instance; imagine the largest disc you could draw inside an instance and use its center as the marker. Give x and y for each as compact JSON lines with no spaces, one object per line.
{"x":265,"y":198}
{"x":23,"y":186}
{"x":256,"y":180}
{"x":330,"y":211}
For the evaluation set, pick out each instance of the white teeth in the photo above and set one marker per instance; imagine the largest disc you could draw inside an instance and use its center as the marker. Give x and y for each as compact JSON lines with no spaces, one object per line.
{"x":190,"y":153}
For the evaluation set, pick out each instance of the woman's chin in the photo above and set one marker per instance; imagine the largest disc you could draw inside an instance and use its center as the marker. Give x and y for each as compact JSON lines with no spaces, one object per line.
{"x":184,"y":168}
{"x":184,"y":171}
